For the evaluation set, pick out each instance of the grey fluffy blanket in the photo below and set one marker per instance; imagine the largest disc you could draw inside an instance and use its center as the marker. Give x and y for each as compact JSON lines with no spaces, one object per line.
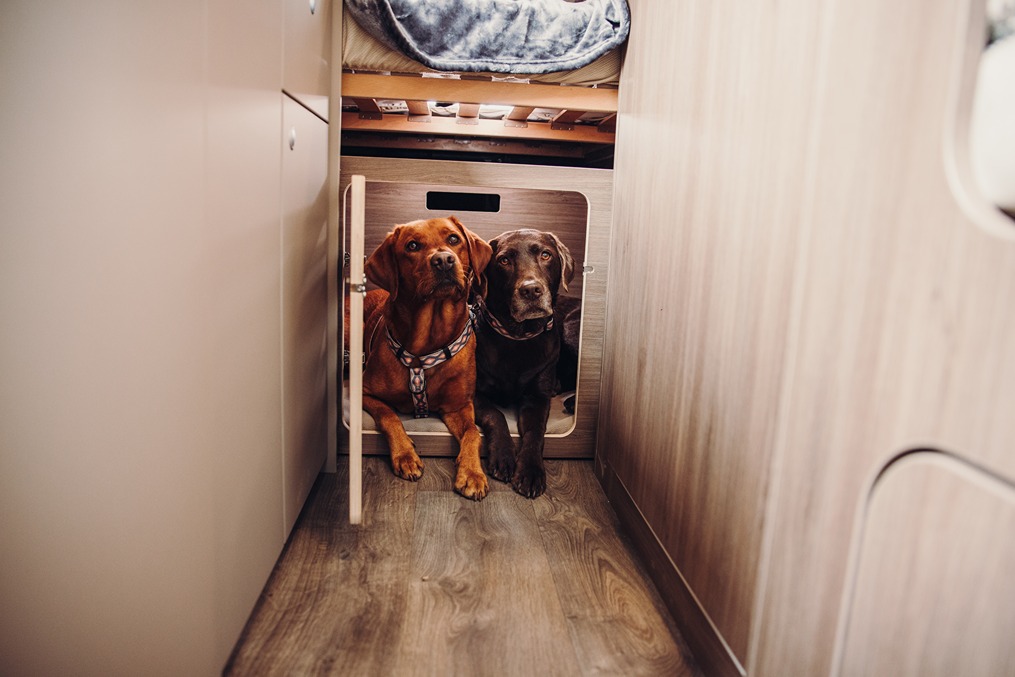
{"x":498,"y":36}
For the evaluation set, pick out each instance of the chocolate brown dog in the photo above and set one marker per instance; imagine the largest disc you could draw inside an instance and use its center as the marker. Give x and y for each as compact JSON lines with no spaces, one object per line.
{"x":520,"y":330}
{"x":420,"y":342}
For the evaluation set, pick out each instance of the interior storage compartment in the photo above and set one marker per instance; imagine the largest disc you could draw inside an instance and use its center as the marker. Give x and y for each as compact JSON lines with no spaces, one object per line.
{"x":490,"y":199}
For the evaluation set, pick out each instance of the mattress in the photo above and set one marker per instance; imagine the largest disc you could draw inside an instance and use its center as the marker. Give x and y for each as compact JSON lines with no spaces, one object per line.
{"x":362,"y":52}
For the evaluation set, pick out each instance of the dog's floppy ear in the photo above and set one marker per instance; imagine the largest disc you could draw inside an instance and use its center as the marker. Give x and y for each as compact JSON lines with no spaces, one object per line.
{"x":480,"y":254}
{"x":381,"y":267}
{"x":566,"y":262}
{"x":493,"y":252}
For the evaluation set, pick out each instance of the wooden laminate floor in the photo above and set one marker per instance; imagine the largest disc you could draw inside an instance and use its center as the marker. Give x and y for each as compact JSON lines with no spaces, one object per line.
{"x":434,"y":584}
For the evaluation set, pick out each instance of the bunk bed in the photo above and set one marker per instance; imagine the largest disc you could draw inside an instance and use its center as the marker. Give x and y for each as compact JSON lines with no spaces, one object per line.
{"x":474,"y":92}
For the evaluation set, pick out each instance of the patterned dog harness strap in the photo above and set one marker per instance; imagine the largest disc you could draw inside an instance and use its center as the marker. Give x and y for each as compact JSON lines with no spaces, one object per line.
{"x":417,"y":374}
{"x":498,"y":327}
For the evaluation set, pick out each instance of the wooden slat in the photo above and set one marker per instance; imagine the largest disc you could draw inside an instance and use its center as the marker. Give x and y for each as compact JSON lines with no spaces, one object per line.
{"x":468,"y":114}
{"x":359,"y":85}
{"x":520,"y":113}
{"x":468,"y":110}
{"x":418,"y":107}
{"x":567,"y":117}
{"x":367,"y":105}
{"x":419,"y":111}
{"x":482,"y":128}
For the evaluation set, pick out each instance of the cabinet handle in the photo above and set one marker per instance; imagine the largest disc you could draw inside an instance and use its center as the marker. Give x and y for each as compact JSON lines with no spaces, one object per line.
{"x":292,"y":138}
{"x":313,"y":6}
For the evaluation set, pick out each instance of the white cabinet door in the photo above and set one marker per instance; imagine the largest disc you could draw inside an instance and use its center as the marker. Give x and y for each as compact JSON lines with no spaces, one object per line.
{"x":140,"y":412}
{"x":307,"y":72}
{"x":304,"y":300}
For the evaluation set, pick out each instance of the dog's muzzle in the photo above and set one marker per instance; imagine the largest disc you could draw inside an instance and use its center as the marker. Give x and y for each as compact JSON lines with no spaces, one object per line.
{"x":531,"y":301}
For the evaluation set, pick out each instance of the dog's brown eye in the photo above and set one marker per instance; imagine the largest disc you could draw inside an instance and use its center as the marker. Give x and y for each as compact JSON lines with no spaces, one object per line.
{"x":546,"y":256}
{"x":454,"y":239}
{"x":412,"y":246}
{"x":504,"y":261}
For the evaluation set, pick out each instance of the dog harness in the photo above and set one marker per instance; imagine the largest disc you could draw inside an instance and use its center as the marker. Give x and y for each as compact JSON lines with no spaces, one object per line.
{"x":498,"y":327}
{"x":417,"y":374}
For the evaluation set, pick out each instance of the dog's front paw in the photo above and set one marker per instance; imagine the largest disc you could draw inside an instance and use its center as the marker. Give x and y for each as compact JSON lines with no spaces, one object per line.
{"x":502,"y":468}
{"x":407,"y":465}
{"x":500,"y":461}
{"x":471,"y":483}
{"x":529,"y":481}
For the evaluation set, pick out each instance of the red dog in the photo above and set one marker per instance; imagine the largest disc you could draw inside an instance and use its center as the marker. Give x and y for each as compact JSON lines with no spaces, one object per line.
{"x":420,"y":343}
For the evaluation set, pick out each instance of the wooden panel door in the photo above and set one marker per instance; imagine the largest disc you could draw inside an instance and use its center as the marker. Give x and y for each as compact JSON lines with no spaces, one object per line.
{"x":304,"y":300}
{"x":933,"y":590}
{"x":801,"y":290}
{"x":904,"y":335}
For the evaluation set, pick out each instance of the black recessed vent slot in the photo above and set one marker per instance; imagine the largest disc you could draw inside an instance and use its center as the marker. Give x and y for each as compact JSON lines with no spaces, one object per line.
{"x":462,"y":202}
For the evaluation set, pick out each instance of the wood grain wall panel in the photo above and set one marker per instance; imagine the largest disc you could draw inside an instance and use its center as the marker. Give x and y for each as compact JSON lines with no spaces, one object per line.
{"x":712,"y":132}
{"x":905,"y":337}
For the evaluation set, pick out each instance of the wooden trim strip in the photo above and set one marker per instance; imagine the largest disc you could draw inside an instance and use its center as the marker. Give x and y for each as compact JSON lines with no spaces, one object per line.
{"x":367,"y":86}
{"x":399,"y":124}
{"x":471,"y":145}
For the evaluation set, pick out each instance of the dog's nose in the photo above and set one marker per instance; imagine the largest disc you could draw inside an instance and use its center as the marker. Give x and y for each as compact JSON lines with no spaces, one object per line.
{"x":443,"y":261}
{"x":531,"y":290}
